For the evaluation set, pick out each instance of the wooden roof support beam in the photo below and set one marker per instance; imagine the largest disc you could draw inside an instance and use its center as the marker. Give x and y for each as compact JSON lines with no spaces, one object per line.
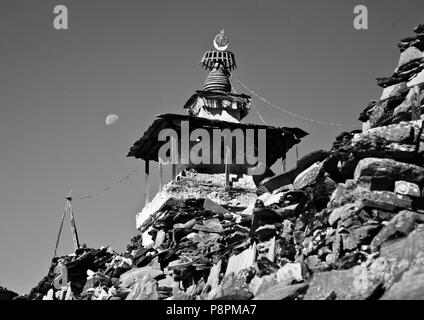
{"x":227,"y":167}
{"x":146,"y":182}
{"x":160,"y":169}
{"x":174,"y":157}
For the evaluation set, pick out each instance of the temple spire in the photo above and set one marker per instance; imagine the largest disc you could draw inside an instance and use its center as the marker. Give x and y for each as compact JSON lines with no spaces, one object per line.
{"x":216,"y":100}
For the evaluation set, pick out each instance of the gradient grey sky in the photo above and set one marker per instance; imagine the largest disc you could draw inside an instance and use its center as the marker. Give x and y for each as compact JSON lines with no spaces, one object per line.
{"x":138,"y":59}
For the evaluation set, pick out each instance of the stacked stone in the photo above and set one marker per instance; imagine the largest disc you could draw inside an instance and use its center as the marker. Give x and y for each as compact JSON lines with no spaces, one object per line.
{"x":401,"y":91}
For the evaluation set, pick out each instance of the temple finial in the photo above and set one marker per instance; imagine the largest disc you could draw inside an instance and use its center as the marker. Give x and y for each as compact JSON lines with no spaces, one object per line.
{"x":220,"y":42}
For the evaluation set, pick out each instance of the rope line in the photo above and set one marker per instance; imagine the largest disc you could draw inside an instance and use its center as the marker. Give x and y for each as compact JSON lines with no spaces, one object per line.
{"x":123,"y":179}
{"x":109,"y":187}
{"x":260,"y":116}
{"x":292,"y":113}
{"x":253,"y":105}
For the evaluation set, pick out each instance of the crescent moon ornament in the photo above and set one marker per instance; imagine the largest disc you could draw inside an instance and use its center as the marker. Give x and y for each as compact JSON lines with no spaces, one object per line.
{"x":220,"y":42}
{"x":111,"y":119}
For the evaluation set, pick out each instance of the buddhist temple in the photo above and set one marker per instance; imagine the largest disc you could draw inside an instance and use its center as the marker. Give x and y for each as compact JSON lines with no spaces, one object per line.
{"x":216,"y":108}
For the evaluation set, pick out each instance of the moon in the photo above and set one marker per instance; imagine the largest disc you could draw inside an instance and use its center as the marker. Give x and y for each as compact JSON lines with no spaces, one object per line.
{"x":111,"y":119}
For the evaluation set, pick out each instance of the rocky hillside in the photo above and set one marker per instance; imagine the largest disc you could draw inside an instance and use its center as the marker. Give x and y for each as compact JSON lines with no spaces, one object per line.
{"x":346,"y":226}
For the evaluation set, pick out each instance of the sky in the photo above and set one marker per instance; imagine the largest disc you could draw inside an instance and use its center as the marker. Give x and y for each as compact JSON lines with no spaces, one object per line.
{"x":138,"y":59}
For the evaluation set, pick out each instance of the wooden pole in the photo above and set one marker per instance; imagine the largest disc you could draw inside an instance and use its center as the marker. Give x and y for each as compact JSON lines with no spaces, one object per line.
{"x":297,"y":154}
{"x":284,"y":164}
{"x":73,"y":227}
{"x":227,"y":166}
{"x":146,"y":182}
{"x":174,"y":157}
{"x":61,"y":223}
{"x":160,"y":168}
{"x":60,"y":230}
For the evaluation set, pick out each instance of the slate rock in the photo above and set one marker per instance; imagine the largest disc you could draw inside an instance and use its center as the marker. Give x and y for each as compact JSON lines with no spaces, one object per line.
{"x":307,"y":177}
{"x":393,"y":90}
{"x":351,"y":284}
{"x":401,"y":225}
{"x":350,"y":260}
{"x":387,"y":167}
{"x":130,"y":277}
{"x":259,"y":285}
{"x":417,"y":80}
{"x":385,"y":200}
{"x":365,"y":114}
{"x":349,"y":242}
{"x":208,"y":204}
{"x":405,"y":248}
{"x":416,"y":41}
{"x":290,"y":272}
{"x":379,"y":113}
{"x":312,"y":262}
{"x":419,"y":28}
{"x":238,"y":284}
{"x":143,"y":289}
{"x":408,"y":288}
{"x":364,"y":234}
{"x":321,"y":191}
{"x":378,"y":183}
{"x":342,"y":212}
{"x":6,"y":294}
{"x":283,"y":292}
{"x":285,"y":179}
{"x":410,"y":54}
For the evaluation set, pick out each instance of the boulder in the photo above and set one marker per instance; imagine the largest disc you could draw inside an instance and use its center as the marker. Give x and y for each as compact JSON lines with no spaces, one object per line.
{"x":259,"y":285}
{"x":410,"y":54}
{"x":351,"y":284}
{"x":403,"y":132}
{"x":342,"y":213}
{"x":238,"y":284}
{"x":386,"y":200}
{"x":282,"y":292}
{"x":308,"y":177}
{"x":287,"y":178}
{"x":417,"y":80}
{"x":380,"y":183}
{"x":419,"y":28}
{"x":404,"y":248}
{"x":393,"y":90}
{"x":130,"y":277}
{"x":6,"y":294}
{"x":387,"y":167}
{"x":408,"y":288}
{"x":143,"y":289}
{"x":290,"y":272}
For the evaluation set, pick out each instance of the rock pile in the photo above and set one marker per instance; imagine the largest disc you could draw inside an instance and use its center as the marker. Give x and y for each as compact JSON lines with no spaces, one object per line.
{"x":399,"y":94}
{"x":345,"y":224}
{"x":6,"y":294}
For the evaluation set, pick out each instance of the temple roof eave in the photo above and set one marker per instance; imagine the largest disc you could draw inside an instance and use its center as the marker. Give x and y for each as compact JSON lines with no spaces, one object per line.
{"x":148,"y":145}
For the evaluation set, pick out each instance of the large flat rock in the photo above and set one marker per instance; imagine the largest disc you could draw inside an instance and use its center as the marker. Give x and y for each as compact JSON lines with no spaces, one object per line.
{"x":282,"y":292}
{"x":404,"y":248}
{"x":351,"y":284}
{"x":390,"y":168}
{"x":410,"y":287}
